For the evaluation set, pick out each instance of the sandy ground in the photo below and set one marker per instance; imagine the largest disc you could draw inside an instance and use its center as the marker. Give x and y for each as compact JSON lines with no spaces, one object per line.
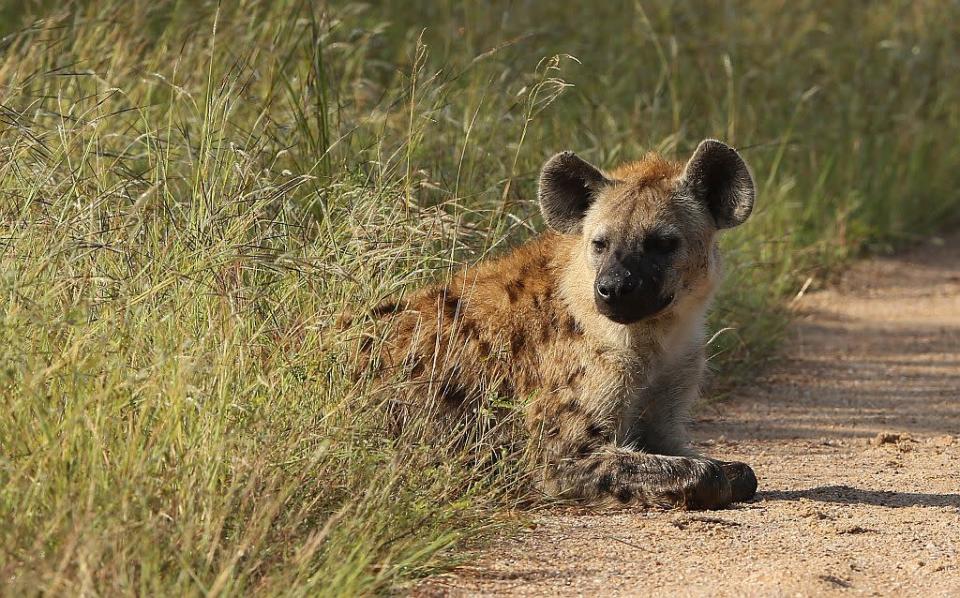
{"x":855,"y":438}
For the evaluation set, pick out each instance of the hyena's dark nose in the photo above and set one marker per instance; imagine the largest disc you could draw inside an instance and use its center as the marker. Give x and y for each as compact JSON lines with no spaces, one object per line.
{"x":604,"y":289}
{"x":614,"y":285}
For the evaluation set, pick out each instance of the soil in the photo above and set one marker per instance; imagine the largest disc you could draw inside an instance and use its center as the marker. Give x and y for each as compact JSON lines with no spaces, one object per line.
{"x":854,"y":436}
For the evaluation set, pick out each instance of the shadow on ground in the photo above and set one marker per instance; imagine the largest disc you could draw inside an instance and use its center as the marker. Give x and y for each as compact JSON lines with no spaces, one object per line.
{"x":857,"y":496}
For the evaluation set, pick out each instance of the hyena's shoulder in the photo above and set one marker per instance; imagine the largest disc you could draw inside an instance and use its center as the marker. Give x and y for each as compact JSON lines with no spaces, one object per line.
{"x":488,"y":324}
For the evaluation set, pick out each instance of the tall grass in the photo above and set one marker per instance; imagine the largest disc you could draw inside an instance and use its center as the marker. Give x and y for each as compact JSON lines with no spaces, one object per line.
{"x":191,"y":193}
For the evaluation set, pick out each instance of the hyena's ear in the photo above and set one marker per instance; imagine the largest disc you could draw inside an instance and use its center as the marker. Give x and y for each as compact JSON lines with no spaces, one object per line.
{"x":568,"y":185}
{"x":718,"y":176}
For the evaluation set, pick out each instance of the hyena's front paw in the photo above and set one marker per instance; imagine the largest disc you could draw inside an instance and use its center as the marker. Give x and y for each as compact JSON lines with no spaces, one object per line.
{"x":707,"y":486}
{"x":743,"y":482}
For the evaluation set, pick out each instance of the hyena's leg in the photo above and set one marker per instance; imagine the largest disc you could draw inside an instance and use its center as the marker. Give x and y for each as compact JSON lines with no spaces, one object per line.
{"x":662,"y":428}
{"x":582,"y":463}
{"x":743,"y":481}
{"x":651,"y":480}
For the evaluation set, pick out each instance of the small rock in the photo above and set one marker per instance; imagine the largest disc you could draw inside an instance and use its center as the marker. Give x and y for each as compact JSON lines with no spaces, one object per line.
{"x":854,"y":529}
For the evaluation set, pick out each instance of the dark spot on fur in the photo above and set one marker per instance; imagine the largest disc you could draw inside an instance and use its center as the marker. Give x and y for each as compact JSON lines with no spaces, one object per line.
{"x":585,"y":449}
{"x":469,"y":328}
{"x":571,"y":406}
{"x":575,"y":376}
{"x":573,"y":327}
{"x":624,"y":495}
{"x":451,"y":305}
{"x":366,"y":343}
{"x":517,"y":342}
{"x":514,"y":288}
{"x":387,"y":307}
{"x":484,"y":347}
{"x":453,"y":393}
{"x":605,"y":483}
{"x":594,"y":430}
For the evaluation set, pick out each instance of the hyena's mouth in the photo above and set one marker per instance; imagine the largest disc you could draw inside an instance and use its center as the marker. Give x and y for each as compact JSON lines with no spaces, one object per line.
{"x":636,"y":311}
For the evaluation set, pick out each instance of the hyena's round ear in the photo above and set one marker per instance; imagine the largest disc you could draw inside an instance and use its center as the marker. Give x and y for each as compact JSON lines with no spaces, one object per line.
{"x":718,"y":176}
{"x":568,"y":185}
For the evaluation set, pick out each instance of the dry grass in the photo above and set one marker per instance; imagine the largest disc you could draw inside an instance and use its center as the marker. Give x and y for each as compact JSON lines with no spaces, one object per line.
{"x":189,"y":195}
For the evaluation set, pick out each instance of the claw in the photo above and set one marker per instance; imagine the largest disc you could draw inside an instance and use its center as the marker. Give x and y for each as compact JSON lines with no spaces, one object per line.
{"x":743,"y":482}
{"x":711,"y":490}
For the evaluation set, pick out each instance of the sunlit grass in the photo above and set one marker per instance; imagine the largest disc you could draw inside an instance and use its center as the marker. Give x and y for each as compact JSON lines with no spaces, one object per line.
{"x":190,"y":196}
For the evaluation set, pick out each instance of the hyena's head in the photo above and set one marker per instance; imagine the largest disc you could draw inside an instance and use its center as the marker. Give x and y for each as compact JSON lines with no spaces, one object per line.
{"x":645,"y":232}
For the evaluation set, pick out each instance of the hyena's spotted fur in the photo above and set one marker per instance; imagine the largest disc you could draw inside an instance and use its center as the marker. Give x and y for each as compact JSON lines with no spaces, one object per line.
{"x":605,"y":403}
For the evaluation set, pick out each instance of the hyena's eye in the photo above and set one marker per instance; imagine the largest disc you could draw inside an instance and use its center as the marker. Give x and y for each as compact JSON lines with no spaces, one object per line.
{"x":599,"y":245}
{"x":661,"y":243}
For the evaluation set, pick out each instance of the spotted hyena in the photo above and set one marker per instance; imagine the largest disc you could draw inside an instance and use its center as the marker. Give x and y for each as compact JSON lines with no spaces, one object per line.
{"x":595,"y":329}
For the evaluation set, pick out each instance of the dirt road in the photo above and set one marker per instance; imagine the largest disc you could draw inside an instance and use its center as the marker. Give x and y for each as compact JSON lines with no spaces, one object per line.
{"x":855,"y":438}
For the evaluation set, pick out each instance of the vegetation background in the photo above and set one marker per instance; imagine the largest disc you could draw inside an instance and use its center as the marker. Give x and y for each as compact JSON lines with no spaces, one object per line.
{"x":190,"y":192}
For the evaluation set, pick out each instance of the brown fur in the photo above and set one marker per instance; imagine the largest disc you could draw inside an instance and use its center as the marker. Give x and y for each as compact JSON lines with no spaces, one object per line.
{"x":603,"y":404}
